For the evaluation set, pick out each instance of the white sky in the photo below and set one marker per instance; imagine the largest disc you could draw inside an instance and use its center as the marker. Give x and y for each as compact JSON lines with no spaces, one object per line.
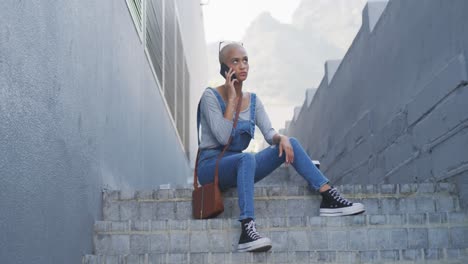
{"x":229,"y":19}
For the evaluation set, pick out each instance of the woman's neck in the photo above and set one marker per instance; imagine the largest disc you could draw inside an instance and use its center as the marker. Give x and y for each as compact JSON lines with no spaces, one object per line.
{"x":222,"y":89}
{"x":238,"y":87}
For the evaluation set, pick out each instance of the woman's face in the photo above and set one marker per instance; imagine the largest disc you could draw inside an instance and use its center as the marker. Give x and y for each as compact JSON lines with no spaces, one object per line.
{"x":237,"y":59}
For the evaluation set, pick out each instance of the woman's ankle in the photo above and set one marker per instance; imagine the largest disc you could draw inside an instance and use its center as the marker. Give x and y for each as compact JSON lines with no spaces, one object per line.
{"x":324,"y":188}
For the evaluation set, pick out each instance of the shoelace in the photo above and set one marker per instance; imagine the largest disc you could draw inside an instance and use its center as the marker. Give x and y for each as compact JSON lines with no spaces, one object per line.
{"x":337,"y":196}
{"x":252,"y":231}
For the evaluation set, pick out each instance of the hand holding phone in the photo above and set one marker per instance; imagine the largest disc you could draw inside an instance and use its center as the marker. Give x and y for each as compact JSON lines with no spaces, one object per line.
{"x":226,"y":72}
{"x":224,"y":69}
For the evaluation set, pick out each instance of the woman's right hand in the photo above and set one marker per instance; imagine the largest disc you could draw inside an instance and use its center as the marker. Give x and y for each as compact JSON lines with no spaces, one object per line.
{"x":229,"y":84}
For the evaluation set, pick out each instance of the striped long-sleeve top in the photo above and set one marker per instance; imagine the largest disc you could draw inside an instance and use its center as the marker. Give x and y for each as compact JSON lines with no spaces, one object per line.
{"x":216,"y":129}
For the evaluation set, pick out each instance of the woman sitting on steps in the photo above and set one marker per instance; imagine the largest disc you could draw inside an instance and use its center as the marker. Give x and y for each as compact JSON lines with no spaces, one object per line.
{"x":242,"y":170}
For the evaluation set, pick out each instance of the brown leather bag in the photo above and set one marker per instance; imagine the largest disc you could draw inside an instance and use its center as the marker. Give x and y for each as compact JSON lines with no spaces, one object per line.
{"x":207,"y":201}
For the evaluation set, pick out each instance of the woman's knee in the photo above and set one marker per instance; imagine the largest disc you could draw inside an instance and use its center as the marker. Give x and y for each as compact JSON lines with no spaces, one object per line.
{"x":296,"y":145}
{"x":248,"y":158}
{"x":246,"y":169}
{"x":294,"y":141}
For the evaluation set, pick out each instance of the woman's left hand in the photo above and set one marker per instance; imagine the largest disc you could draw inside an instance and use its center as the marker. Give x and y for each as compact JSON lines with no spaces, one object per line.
{"x":285,"y":145}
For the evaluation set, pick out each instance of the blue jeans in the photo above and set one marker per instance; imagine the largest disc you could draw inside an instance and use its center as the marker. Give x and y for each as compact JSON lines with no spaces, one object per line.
{"x":242,"y":170}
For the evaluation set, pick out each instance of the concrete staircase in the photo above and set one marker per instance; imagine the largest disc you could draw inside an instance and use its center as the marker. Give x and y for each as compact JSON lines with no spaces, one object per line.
{"x":404,"y":223}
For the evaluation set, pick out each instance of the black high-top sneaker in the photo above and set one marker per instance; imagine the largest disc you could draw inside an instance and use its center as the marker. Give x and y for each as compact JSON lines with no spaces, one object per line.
{"x":250,"y":239}
{"x":335,"y":205}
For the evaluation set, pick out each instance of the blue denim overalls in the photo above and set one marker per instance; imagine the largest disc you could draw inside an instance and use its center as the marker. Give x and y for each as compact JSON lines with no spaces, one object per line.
{"x":242,"y":135}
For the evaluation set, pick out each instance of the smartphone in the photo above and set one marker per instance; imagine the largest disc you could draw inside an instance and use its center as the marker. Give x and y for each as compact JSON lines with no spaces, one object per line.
{"x":224,"y":69}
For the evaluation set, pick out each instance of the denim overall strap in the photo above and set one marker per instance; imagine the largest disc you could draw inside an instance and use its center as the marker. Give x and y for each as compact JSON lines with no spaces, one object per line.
{"x":253,"y":102}
{"x":223,"y":108}
{"x":220,"y":99}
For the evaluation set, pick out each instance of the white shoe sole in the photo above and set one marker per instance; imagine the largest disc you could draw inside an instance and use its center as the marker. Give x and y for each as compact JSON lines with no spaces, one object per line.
{"x":260,"y":245}
{"x":356,"y":208}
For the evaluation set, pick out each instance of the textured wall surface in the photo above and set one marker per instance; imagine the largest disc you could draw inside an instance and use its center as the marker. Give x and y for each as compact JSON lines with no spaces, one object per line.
{"x":395,"y":110}
{"x":79,"y":111}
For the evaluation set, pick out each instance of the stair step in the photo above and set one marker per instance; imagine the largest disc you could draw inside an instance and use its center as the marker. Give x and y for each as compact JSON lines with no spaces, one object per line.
{"x":361,"y":232}
{"x":355,"y":191}
{"x":406,"y":256}
{"x":278,"y":206}
{"x":362,"y":220}
{"x":403,"y":223}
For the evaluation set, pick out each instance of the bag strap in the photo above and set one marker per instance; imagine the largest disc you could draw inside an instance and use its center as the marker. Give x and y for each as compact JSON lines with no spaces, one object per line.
{"x":216,"y":177}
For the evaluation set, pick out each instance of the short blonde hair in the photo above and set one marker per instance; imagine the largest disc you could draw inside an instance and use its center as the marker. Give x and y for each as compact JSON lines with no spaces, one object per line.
{"x":223,"y":52}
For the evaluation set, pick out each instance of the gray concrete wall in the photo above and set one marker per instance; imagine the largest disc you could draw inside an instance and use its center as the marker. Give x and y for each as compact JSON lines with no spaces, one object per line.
{"x":79,"y":111}
{"x":394,"y":111}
